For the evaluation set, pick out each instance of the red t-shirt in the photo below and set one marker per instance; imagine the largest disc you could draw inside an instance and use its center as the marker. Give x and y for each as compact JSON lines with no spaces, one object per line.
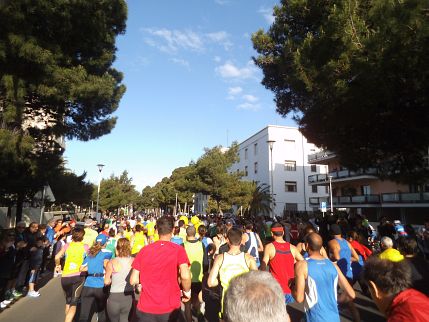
{"x":409,"y":305}
{"x":282,"y":265}
{"x":158,"y":266}
{"x":361,"y":249}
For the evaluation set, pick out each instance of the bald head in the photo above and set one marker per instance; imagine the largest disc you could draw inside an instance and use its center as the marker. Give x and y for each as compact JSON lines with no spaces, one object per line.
{"x":314,"y":242}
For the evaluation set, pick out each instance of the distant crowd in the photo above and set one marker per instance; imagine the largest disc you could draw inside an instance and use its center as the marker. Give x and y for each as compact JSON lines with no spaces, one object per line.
{"x":215,"y":268}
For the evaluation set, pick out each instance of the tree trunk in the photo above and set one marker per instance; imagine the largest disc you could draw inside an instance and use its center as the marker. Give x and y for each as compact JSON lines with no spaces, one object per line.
{"x":19,"y":204}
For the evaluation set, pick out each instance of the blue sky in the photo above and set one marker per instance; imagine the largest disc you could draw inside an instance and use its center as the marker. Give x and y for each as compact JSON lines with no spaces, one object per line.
{"x":190,"y":84}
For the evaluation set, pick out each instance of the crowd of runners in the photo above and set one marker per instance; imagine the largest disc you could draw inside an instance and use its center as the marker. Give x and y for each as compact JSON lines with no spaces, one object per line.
{"x":211,"y":268}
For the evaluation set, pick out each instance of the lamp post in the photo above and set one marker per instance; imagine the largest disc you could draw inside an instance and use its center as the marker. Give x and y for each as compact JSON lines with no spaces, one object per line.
{"x":100,"y":168}
{"x":271,"y":145}
{"x":330,"y":194}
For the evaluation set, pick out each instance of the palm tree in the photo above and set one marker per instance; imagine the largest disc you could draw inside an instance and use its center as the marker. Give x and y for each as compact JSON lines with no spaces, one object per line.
{"x":260,"y":203}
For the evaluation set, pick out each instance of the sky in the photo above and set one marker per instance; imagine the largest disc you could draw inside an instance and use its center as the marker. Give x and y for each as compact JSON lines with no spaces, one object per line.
{"x":191,"y":84}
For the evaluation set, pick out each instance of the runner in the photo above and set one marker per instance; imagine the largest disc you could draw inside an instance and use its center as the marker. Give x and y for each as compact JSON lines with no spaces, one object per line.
{"x":198,"y":258}
{"x":343,"y":254}
{"x":281,"y":257}
{"x":90,"y":234}
{"x":121,"y":298}
{"x":232,"y":263}
{"x":301,"y":245}
{"x":72,"y":279}
{"x":156,"y":267}
{"x":316,"y":282}
{"x":93,"y":291}
{"x":252,"y":243}
{"x":138,"y":240}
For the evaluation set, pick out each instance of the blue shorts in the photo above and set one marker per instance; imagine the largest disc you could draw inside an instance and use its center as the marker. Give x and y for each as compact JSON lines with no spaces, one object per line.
{"x":289,"y":298}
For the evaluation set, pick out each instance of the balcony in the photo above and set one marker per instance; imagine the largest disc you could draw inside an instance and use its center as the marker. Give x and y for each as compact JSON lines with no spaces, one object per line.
{"x":402,"y":197}
{"x":376,"y":199}
{"x":342,"y":175}
{"x":321,"y":156}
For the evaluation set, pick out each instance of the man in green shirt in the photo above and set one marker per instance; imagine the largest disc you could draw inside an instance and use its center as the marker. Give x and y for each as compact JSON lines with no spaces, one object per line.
{"x":199,"y":263}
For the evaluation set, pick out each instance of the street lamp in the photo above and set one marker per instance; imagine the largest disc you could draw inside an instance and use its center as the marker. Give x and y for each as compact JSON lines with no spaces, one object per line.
{"x":100,"y":168}
{"x":271,"y":145}
{"x":330,"y":194}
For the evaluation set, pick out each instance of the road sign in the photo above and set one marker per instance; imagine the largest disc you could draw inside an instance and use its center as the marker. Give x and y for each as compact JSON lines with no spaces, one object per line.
{"x":323,"y":206}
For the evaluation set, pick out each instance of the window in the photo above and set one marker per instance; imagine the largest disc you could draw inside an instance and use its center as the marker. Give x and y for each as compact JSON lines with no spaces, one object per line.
{"x":255,"y":149}
{"x":290,"y":165}
{"x":255,"y":167}
{"x":246,"y":173}
{"x":245,"y":154}
{"x":291,"y":207}
{"x":313,"y":168}
{"x":314,"y":189}
{"x":366,"y":190}
{"x":290,"y":186}
{"x":326,"y":189}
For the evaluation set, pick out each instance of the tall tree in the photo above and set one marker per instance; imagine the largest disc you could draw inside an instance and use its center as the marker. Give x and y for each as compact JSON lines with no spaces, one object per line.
{"x":260,"y":201}
{"x":117,"y":192}
{"x":56,"y":80}
{"x":355,"y":76}
{"x":212,"y":177}
{"x":68,"y":187}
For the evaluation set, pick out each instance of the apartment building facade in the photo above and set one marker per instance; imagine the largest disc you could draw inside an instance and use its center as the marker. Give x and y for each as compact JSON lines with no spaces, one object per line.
{"x":285,"y":167}
{"x":363,"y":192}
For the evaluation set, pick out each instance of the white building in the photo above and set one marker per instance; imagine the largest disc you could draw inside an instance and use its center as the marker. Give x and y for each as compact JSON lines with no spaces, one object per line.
{"x":289,"y":167}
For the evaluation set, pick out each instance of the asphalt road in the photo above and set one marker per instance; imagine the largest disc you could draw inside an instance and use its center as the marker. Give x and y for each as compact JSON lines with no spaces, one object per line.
{"x":49,"y":307}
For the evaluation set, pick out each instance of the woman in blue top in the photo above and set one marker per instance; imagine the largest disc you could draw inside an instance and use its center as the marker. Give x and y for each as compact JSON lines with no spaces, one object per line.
{"x":93,"y":289}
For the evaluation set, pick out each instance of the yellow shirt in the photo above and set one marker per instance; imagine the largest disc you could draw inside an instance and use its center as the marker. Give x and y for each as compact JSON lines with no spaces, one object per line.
{"x":89,"y":237}
{"x":392,"y":255}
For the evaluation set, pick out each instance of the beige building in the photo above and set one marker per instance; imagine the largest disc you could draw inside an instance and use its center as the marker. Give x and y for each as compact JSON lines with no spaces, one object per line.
{"x":363,"y":192}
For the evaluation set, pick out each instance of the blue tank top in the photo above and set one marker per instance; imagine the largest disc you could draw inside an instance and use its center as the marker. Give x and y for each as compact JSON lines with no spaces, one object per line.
{"x":321,"y":293}
{"x":344,"y":263}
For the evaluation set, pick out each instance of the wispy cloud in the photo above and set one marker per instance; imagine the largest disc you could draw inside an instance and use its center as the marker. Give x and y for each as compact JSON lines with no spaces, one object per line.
{"x":180,"y":61}
{"x":220,"y":37}
{"x":231,"y":71}
{"x":250,"y":98}
{"x":173,"y":40}
{"x":267,"y":13}
{"x":221,"y":2}
{"x":249,"y":106}
{"x":217,"y":59}
{"x":233,"y":92}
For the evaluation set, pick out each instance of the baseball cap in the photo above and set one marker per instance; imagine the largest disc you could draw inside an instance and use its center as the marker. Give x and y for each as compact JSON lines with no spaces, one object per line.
{"x":397,"y":222}
{"x":88,"y":222}
{"x":102,"y":239}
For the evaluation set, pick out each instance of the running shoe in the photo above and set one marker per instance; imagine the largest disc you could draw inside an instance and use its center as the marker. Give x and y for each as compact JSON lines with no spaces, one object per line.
{"x":6,"y":302}
{"x":33,"y":294}
{"x":3,"y":306}
{"x":16,"y":294}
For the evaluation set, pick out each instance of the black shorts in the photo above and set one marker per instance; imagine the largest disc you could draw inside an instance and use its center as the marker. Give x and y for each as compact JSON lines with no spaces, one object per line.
{"x":196,"y":287}
{"x":72,"y":287}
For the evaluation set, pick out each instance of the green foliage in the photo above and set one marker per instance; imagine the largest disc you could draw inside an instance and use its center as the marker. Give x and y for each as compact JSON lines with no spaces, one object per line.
{"x":117,"y":192}
{"x":69,"y":188}
{"x":355,"y":76}
{"x":209,"y":176}
{"x":260,"y":202}
{"x":56,"y":61}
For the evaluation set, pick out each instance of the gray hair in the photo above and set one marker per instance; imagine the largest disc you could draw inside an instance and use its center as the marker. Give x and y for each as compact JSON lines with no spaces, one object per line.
{"x":255,"y":296}
{"x":191,"y":231}
{"x":386,"y":242}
